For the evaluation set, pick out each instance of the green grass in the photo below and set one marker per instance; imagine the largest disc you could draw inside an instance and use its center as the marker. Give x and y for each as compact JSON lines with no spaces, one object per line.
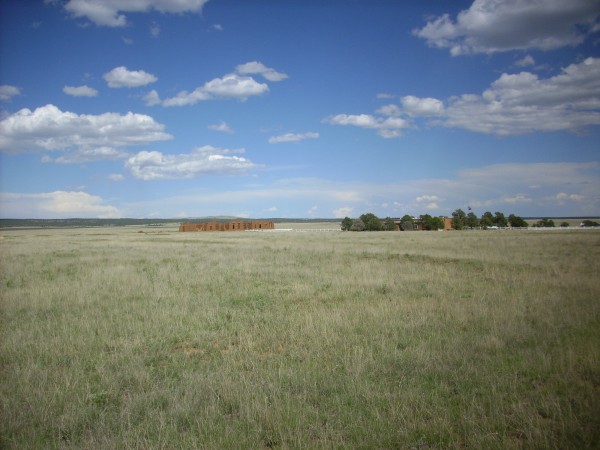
{"x":118,"y":339}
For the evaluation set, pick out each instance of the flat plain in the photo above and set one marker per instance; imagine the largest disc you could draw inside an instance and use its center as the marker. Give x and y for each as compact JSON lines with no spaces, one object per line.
{"x":149,"y":338}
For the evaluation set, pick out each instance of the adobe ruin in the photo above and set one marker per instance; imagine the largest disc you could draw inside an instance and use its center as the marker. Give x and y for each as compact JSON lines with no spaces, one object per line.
{"x":255,"y":225}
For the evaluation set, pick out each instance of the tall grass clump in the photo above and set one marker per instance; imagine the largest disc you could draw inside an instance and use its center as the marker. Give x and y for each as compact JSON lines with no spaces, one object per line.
{"x":120,"y":339}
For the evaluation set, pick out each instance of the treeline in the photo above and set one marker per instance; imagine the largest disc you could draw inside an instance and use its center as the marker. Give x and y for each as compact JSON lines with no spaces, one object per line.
{"x":460,"y":221}
{"x":370,"y":222}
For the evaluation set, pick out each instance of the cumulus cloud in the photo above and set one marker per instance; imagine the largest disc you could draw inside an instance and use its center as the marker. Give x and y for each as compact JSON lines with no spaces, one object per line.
{"x":490,"y":26}
{"x":229,"y":86}
{"x":563,"y":197}
{"x":121,"y":77}
{"x":7,"y":92}
{"x":49,"y":128}
{"x":255,"y":67}
{"x":207,"y":160}
{"x":86,"y":155}
{"x":429,"y":202}
{"x":151,"y":98}
{"x":527,"y":60}
{"x":524,"y":103}
{"x":415,"y":106}
{"x":390,"y":110}
{"x":55,"y":205}
{"x":80,"y":91}
{"x":514,"y":104}
{"x":108,"y":12}
{"x":521,"y":103}
{"x":222,"y":127}
{"x":389,"y":127}
{"x":292,"y":137}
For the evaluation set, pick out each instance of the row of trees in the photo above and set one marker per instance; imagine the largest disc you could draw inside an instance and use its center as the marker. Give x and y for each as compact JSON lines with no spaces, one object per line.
{"x":370,"y":222}
{"x":460,"y":221}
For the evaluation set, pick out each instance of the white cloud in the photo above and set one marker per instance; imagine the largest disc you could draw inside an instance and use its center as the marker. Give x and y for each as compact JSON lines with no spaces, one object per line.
{"x":218,"y":27}
{"x":490,"y":26}
{"x":116,"y":177}
{"x":86,"y":155}
{"x":428,"y":202}
{"x":514,"y":104}
{"x":121,"y":77}
{"x":80,"y":91}
{"x":222,"y":127}
{"x":49,"y":128}
{"x":7,"y":92}
{"x":415,"y":106}
{"x":271,"y":209}
{"x":527,"y":60}
{"x":342,"y":212}
{"x":292,"y":137}
{"x":151,"y":98}
{"x":312,"y":210}
{"x":523,"y":103}
{"x":107,"y":12}
{"x":388,"y":128}
{"x":54,"y":205}
{"x":229,"y":86}
{"x":563,"y":197}
{"x":255,"y":67}
{"x":390,"y":110}
{"x":427,"y":198}
{"x":155,"y":29}
{"x":205,"y":160}
{"x":518,"y":198}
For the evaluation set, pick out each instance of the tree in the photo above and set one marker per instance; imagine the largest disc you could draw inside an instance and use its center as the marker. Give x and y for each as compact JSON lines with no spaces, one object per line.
{"x":589,"y":223}
{"x":545,"y":223}
{"x":358,"y":225}
{"x":487,"y":219}
{"x":436,"y":223}
{"x":347,"y":224}
{"x":432,"y":223}
{"x":372,"y":222}
{"x":500,"y":220}
{"x":406,"y":223}
{"x":389,"y":224}
{"x":565,"y":225}
{"x":458,"y":219}
{"x":516,"y":221}
{"x":472,"y":220}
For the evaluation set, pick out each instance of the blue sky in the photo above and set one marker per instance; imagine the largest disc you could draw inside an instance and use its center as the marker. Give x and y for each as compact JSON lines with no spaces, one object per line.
{"x":300,"y":109}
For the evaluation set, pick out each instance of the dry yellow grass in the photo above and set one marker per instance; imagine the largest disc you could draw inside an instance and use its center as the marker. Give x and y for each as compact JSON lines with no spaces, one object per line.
{"x":113,"y":338}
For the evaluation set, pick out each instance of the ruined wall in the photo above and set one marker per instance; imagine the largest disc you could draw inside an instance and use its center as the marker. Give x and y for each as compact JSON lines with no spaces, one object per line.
{"x":228,"y":226}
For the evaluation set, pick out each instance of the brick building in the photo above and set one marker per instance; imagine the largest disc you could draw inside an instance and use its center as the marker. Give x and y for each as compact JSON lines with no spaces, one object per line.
{"x":228,"y":226}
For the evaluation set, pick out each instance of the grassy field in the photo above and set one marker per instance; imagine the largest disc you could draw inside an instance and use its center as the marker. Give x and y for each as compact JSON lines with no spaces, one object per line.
{"x":140,"y":338}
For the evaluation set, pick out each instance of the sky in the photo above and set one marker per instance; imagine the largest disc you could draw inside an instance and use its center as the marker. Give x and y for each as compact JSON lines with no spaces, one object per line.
{"x":299,"y":108}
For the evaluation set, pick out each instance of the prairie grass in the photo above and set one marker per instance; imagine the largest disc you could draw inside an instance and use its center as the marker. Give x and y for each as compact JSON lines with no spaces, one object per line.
{"x":114,"y":338}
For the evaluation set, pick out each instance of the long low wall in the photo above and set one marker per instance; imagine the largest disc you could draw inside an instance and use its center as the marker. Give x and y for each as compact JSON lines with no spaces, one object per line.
{"x":228,"y":226}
